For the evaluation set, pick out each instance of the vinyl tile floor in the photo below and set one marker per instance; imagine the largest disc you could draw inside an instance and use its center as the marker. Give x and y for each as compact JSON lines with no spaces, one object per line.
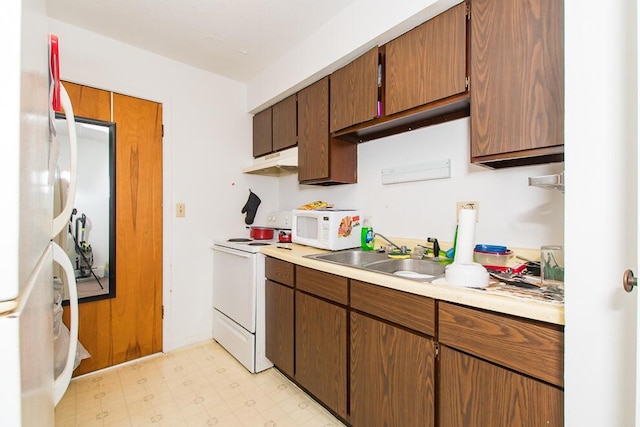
{"x":201,"y":385}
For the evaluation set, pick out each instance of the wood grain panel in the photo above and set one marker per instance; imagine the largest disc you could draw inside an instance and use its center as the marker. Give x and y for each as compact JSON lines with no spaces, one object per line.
{"x":475,"y":393}
{"x":322,"y":160}
{"x":279,"y":271}
{"x":447,"y":54}
{"x":285,"y":123}
{"x":354,"y":92}
{"x":427,"y":63}
{"x":413,"y":311}
{"x":321,"y":351}
{"x":325,"y":285}
{"x":344,"y":162}
{"x":262,"y":133}
{"x":313,"y":131}
{"x":392,"y":376}
{"x":517,"y":75}
{"x":89,"y":102}
{"x":279,"y":302}
{"x":94,"y":333}
{"x":137,"y":313}
{"x":94,"y":322}
{"x":129,"y":325}
{"x":530,"y":347}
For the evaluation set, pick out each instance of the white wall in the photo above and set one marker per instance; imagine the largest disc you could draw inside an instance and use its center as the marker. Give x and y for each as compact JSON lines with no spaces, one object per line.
{"x":207,"y":142}
{"x":511,"y":213}
{"x":601,"y":334}
{"x":360,"y":26}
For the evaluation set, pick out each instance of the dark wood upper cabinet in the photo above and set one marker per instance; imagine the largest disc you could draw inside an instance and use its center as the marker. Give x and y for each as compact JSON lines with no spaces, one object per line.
{"x":427,"y":63}
{"x":322,"y":159}
{"x":262,"y":133}
{"x":285,"y":123}
{"x":354,"y":92}
{"x":275,"y":128}
{"x":517,"y":82}
{"x":424,"y":79}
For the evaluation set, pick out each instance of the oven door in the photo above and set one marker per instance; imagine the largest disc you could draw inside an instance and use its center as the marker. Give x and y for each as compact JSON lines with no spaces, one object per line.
{"x":235,"y":279}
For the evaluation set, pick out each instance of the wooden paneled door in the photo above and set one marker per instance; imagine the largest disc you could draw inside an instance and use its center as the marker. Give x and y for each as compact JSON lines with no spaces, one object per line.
{"x":137,"y":314}
{"x":89,"y":102}
{"x":128,"y":326}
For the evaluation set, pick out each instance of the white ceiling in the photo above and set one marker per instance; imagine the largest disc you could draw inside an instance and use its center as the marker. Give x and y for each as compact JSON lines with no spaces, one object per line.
{"x":233,"y":38}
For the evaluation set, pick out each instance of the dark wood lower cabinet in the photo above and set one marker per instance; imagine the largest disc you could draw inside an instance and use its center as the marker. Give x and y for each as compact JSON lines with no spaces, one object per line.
{"x":279,"y":326}
{"x":370,"y":354}
{"x":478,"y":393}
{"x":392,"y":375}
{"x":321,"y":351}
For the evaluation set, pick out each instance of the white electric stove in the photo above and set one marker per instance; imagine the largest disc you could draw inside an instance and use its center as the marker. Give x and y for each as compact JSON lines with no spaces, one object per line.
{"x":238,"y":294}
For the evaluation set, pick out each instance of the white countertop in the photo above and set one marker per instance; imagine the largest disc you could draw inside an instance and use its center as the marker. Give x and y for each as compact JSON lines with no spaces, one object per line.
{"x":531,"y":309}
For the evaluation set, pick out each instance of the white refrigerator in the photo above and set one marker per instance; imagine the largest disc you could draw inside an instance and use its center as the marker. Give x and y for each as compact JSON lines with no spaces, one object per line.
{"x":28,"y":389}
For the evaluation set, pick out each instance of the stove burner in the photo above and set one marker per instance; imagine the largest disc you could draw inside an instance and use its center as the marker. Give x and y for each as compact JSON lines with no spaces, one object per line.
{"x":239,"y":239}
{"x":259,"y":244}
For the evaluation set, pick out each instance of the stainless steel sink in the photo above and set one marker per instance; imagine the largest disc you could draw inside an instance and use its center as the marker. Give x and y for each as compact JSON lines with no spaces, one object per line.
{"x":415,"y":269}
{"x":410,"y":268}
{"x":353,"y":258}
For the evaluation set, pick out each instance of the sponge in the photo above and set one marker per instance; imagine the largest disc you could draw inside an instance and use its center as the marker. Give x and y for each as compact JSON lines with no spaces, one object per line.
{"x":398,"y":255}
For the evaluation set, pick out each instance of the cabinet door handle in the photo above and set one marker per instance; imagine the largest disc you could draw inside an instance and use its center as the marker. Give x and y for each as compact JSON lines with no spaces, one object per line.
{"x":629,"y":281}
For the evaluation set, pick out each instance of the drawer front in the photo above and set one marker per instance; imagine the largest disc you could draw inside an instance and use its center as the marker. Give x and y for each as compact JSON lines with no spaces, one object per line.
{"x":413,"y":311}
{"x":526,"y":346}
{"x":279,"y":271}
{"x":322,"y":284}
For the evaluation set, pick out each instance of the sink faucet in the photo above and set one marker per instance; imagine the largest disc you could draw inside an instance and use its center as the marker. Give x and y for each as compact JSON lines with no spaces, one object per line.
{"x":436,"y":246}
{"x":402,"y":249}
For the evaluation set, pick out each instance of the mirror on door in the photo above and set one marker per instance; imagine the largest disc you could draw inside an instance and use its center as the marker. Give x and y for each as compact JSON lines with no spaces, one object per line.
{"x":89,"y":238}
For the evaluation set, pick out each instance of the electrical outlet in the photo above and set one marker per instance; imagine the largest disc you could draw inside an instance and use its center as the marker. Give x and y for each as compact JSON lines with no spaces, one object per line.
{"x":468,"y":205}
{"x":180,"y":210}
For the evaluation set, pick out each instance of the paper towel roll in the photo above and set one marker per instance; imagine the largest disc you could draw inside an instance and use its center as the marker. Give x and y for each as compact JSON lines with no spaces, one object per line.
{"x":466,"y":236}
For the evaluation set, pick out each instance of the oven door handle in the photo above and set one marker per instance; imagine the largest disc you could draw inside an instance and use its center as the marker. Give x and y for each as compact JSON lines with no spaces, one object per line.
{"x":232,"y":251}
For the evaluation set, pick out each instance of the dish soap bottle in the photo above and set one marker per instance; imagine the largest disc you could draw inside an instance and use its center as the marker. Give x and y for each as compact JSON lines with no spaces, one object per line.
{"x":366,"y":237}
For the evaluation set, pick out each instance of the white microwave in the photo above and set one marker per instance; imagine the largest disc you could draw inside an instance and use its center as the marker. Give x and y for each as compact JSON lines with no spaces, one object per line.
{"x":327,"y":229}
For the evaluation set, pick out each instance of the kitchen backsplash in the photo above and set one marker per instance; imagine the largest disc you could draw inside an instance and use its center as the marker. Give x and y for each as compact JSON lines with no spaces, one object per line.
{"x":510,"y":211}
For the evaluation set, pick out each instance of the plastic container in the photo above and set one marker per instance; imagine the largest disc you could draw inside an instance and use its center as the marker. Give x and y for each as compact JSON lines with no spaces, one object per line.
{"x":552,"y":266}
{"x":498,"y":259}
{"x":366,"y":236}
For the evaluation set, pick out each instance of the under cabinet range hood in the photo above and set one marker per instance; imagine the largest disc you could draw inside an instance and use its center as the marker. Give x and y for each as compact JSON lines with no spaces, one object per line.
{"x":280,"y":163}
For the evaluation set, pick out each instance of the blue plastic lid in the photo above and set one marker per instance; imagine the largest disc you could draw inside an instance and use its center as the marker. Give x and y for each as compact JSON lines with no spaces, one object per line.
{"x":491,"y":248}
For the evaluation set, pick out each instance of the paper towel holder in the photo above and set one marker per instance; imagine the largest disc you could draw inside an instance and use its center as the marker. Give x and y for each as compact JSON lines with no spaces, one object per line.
{"x":463,"y":271}
{"x":550,"y":182}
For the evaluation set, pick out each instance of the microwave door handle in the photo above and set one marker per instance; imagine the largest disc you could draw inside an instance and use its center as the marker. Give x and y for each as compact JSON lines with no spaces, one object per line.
{"x":232,"y":251}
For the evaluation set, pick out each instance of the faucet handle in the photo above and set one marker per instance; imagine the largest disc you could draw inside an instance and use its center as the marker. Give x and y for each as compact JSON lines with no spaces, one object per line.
{"x":418,"y":252}
{"x":436,"y":246}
